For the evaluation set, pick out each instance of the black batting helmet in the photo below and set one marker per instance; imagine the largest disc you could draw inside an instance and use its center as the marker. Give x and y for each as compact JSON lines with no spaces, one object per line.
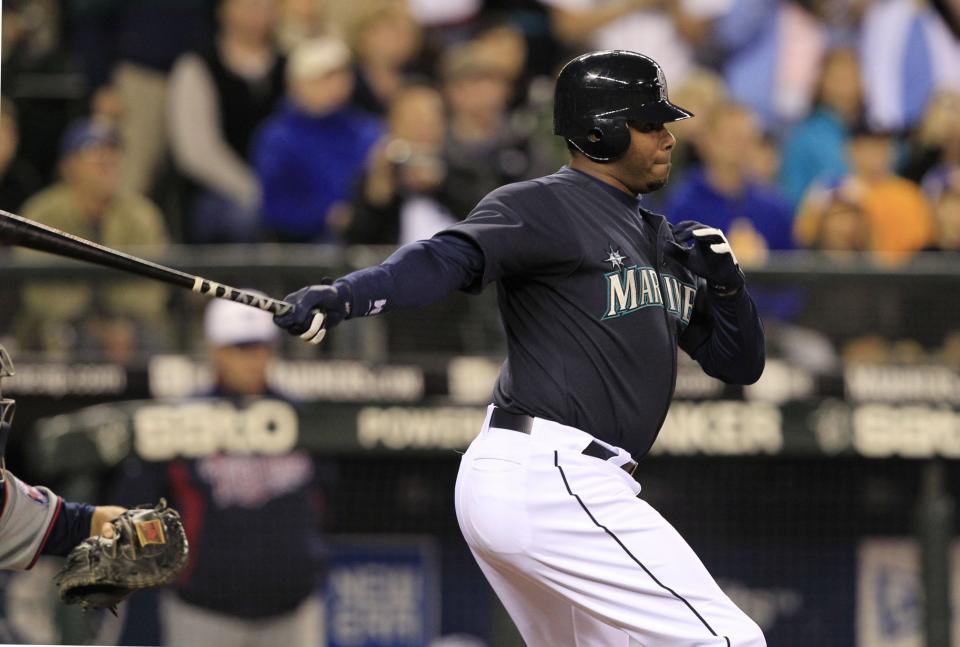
{"x":598,"y":93}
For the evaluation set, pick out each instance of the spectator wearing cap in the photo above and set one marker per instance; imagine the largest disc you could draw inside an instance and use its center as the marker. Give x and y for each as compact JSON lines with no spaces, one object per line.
{"x":898,"y":214}
{"x":309,"y":154}
{"x":252,"y":519}
{"x":119,"y":318}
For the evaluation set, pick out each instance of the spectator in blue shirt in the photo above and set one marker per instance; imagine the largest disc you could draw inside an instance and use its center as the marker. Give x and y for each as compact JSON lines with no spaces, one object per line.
{"x":816,"y":147}
{"x":309,"y":153}
{"x":724,"y":192}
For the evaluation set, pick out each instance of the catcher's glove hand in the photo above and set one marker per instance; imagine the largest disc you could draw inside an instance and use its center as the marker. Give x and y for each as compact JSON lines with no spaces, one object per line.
{"x":149,"y":548}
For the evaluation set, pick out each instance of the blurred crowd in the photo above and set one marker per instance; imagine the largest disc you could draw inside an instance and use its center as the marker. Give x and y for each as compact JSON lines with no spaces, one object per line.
{"x":831,"y":125}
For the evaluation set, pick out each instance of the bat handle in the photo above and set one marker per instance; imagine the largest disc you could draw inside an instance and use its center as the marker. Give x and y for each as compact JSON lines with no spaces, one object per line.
{"x":246,"y":297}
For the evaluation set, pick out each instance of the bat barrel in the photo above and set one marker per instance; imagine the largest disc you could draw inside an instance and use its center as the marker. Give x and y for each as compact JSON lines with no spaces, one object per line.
{"x":16,"y":230}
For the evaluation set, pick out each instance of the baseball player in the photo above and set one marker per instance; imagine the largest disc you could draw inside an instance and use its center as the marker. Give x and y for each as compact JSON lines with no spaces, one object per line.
{"x":34,"y":520}
{"x":596,"y":293}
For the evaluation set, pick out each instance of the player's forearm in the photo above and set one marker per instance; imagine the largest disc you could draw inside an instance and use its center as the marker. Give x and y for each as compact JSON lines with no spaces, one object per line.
{"x":734,"y":352}
{"x":416,"y":275}
{"x":71,"y":526}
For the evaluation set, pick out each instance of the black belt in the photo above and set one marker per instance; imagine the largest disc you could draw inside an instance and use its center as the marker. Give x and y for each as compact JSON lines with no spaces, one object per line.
{"x":524,"y":424}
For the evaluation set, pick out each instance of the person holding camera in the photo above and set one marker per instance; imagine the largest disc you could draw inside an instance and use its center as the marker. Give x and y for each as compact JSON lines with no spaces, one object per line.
{"x":407,"y":193}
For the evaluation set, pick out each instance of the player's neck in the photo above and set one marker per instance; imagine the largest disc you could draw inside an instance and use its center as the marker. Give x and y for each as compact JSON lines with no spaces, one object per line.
{"x":600,"y":171}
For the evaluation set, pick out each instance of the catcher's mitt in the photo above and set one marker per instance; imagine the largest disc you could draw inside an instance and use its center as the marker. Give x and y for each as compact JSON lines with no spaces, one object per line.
{"x":149,"y":549}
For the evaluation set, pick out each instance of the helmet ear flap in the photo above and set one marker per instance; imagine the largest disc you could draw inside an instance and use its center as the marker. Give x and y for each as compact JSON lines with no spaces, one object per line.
{"x":606,"y":140}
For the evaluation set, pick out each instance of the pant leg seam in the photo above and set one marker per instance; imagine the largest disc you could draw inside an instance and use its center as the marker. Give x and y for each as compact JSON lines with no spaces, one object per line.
{"x":556,"y":462}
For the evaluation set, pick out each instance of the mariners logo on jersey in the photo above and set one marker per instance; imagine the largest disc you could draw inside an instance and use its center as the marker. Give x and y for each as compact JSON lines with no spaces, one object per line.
{"x":615,"y":258}
{"x":631,"y":288}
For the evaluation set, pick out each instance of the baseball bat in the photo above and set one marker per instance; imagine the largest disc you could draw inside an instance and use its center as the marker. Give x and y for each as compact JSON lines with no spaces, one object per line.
{"x":16,"y":230}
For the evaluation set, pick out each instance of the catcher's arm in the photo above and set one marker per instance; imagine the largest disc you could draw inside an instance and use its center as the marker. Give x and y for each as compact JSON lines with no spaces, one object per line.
{"x":35,"y":521}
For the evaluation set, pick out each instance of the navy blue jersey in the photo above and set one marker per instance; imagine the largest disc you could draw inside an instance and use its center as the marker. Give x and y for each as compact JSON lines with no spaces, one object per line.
{"x":594,"y":307}
{"x":252,"y":521}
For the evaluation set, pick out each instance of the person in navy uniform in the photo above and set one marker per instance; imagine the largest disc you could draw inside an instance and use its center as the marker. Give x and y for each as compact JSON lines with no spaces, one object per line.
{"x":596,"y":294}
{"x":252,"y":519}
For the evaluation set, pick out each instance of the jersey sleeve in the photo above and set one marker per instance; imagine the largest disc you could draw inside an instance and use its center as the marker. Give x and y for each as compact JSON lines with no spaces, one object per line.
{"x":725,"y":336}
{"x":25,"y":523}
{"x":519,"y":237}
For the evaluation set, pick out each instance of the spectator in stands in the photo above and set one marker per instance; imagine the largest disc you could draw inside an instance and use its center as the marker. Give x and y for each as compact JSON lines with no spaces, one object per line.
{"x":817,"y":146}
{"x":505,"y":45}
{"x":128,"y":47}
{"x":934,"y":152}
{"x":900,"y":218}
{"x":440,"y":15}
{"x":301,"y":20}
{"x":667,"y":31}
{"x":946,"y":211}
{"x":18,"y":179}
{"x":842,"y":228}
{"x":856,"y":321}
{"x":406,"y":194}
{"x":771,"y":54}
{"x":724,"y":193}
{"x":765,"y":161}
{"x":445,"y":22}
{"x":310,"y":153}
{"x":119,"y":318}
{"x":842,"y":18}
{"x":217,"y":100}
{"x":385,"y":40}
{"x":485,"y":147}
{"x":251,"y":519}
{"x":908,"y":53}
{"x":32,"y":51}
{"x":703,"y":91}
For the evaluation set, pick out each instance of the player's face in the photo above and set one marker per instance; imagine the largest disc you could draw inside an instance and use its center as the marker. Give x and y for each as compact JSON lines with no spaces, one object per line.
{"x":646,"y":165}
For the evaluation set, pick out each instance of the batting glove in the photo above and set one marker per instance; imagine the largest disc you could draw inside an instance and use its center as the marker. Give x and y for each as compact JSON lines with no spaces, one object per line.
{"x":316,"y":309}
{"x":709,"y":256}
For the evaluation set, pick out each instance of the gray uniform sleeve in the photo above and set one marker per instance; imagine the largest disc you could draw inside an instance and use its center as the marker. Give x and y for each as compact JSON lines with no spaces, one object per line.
{"x":25,"y":522}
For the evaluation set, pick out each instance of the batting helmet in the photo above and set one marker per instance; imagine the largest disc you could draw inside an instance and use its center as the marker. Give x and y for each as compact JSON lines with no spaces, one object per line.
{"x":598,"y":93}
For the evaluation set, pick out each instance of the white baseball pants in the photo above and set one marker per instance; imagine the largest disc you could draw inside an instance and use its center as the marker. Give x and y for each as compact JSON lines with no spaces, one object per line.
{"x":576,"y":557}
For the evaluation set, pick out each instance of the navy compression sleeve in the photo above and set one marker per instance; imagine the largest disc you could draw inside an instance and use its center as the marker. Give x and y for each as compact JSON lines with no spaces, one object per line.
{"x":70,"y":528}
{"x":734,"y":351}
{"x":416,"y":275}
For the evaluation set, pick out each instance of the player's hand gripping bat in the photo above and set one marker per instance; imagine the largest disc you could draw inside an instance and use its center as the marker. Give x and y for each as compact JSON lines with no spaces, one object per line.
{"x":16,"y":230}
